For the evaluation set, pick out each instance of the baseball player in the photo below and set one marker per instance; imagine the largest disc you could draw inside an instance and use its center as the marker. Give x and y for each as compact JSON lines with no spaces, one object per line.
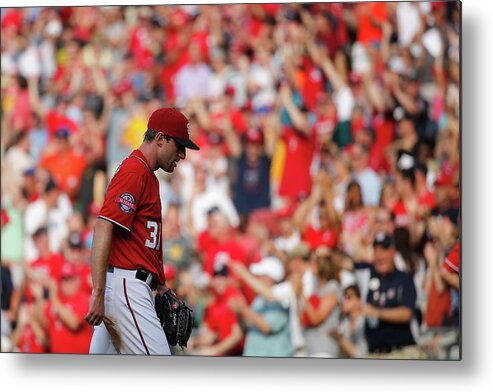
{"x":127,"y":241}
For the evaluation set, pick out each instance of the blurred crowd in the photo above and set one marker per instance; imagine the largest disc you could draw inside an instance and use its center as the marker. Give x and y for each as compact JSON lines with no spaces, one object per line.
{"x":321,"y":215}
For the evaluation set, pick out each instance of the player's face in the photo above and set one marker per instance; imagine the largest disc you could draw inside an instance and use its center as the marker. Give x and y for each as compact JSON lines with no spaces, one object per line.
{"x":169,"y":154}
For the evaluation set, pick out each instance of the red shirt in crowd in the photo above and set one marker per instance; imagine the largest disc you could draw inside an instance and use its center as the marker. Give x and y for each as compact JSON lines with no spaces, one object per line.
{"x":140,"y":46}
{"x":45,"y":267}
{"x":452,"y":261}
{"x":29,"y":343}
{"x":438,"y":306}
{"x":61,"y":338}
{"x":84,"y":272}
{"x":229,"y":249}
{"x":220,"y":319}
{"x":318,"y":237}
{"x":56,"y":120}
{"x":296,"y":179}
{"x":133,"y":204}
{"x":312,"y":84}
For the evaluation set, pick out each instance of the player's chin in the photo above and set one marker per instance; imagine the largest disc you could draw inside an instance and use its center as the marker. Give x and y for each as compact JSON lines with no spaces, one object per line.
{"x":170,"y":168}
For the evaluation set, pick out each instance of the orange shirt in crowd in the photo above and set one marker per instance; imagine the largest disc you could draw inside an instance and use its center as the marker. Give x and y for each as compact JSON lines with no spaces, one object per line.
{"x":66,"y":169}
{"x":367,"y":13}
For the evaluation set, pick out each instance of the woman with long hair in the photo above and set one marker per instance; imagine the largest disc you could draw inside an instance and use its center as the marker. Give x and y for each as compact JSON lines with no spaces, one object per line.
{"x":323,"y":308}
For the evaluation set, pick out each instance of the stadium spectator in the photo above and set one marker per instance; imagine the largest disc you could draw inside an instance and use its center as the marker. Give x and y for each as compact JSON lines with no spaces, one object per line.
{"x":390,"y":306}
{"x":323,"y":308}
{"x":287,"y":293}
{"x":267,"y":323}
{"x":63,"y":313}
{"x":220,"y":333}
{"x":350,"y":334}
{"x":51,"y":210}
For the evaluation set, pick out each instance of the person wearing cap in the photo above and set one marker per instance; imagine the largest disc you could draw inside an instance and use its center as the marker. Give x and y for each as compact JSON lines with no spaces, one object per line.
{"x":220,"y":332}
{"x":47,"y":265}
{"x":75,"y":253}
{"x":64,"y":313}
{"x":65,"y":163}
{"x":127,"y":237}
{"x":251,"y":185}
{"x":390,"y":305}
{"x":266,"y":322}
{"x":288,"y":293}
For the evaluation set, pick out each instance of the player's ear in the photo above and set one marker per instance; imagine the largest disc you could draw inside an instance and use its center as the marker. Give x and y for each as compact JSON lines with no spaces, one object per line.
{"x":160,"y":138}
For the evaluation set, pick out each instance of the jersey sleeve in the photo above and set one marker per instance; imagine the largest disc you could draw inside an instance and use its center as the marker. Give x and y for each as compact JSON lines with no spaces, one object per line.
{"x":123,"y":197}
{"x":451,"y":262}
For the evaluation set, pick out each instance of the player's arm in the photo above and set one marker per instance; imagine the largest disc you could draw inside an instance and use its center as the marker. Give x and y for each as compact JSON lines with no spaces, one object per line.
{"x":103,"y":235}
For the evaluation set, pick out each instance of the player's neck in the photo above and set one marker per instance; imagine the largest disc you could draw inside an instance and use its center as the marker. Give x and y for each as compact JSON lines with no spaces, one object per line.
{"x":149,"y":154}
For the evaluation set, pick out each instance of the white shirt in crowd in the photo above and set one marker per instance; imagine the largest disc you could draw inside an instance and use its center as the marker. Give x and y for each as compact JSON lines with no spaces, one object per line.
{"x":37,"y":215}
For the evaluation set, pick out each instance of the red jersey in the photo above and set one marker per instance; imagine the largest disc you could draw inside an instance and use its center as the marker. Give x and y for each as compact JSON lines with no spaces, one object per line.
{"x":62,"y":339}
{"x":133,"y":204}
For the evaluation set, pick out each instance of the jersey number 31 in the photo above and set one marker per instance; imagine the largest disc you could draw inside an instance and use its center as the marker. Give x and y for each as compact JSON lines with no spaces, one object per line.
{"x":155,"y":232}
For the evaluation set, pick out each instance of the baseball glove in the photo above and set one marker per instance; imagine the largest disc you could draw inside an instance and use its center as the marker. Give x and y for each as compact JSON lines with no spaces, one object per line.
{"x":176,"y":318}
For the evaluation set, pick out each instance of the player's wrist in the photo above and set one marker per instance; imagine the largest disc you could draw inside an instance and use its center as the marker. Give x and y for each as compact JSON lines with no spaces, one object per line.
{"x":97,"y":292}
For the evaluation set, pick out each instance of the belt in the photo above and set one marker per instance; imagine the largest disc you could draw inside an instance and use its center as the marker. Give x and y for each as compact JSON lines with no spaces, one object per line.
{"x":142,"y":275}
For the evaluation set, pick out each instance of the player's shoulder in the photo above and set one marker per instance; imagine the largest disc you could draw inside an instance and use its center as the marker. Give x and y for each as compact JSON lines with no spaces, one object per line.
{"x":135,"y":164}
{"x":131,"y":167}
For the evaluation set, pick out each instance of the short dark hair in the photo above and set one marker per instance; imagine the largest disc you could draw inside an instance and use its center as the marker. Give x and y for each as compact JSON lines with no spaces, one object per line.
{"x":354,"y":288}
{"x":149,"y":135}
{"x":409,"y":175}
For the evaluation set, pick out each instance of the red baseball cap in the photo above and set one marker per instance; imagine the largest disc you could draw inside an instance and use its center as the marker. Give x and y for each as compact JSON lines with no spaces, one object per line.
{"x":68,"y":270}
{"x":172,"y":123}
{"x":254,"y":135}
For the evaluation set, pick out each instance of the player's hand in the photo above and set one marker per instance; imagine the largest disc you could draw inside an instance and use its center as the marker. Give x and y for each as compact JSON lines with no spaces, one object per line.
{"x":96,"y":309}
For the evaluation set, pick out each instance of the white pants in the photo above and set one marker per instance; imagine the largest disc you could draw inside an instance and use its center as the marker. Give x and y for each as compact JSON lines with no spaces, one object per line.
{"x":131,"y":307}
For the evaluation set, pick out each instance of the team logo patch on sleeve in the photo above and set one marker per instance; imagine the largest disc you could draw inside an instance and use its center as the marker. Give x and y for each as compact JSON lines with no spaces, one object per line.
{"x":126,"y":202}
